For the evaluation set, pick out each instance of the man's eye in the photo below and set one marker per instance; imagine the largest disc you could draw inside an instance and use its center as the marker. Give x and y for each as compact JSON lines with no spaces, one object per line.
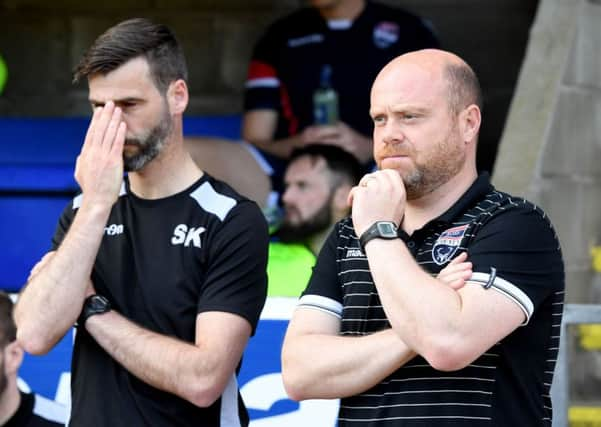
{"x":379,"y":119}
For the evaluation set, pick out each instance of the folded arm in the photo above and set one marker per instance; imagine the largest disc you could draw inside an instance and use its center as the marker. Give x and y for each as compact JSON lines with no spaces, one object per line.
{"x":318,"y":363}
{"x":197,"y":372}
{"x":448,"y":328}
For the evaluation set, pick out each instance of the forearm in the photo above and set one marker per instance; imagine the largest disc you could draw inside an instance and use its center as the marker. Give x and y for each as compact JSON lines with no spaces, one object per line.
{"x":327,"y":367}
{"x":53,"y":297}
{"x":163,"y":362}
{"x":410,"y":296}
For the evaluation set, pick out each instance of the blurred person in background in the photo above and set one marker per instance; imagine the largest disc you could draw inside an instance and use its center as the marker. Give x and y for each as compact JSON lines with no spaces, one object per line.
{"x":317,"y":182}
{"x":337,"y":45}
{"x":19,"y":409}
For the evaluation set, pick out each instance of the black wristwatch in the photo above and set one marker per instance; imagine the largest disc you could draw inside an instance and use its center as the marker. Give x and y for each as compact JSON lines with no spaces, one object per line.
{"x":379,"y":230}
{"x":94,"y":304}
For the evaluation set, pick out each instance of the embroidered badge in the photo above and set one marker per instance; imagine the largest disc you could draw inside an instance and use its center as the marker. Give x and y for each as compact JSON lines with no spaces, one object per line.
{"x":385,"y":34}
{"x":447,"y":244}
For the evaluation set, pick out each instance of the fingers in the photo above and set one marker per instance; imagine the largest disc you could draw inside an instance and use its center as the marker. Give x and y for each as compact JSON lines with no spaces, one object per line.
{"x":459,"y":258}
{"x":91,"y":128}
{"x":351,"y":196}
{"x":103,"y":127}
{"x":457,"y":272}
{"x":114,"y":121}
{"x":119,"y":140}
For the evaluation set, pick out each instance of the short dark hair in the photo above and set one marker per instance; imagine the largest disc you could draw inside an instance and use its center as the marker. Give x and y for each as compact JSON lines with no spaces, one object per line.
{"x":8,"y":330}
{"x":131,"y":39}
{"x":341,"y":163}
{"x":463,"y":86}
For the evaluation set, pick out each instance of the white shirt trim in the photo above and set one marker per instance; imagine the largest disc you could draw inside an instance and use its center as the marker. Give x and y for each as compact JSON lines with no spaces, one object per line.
{"x":509,"y":290}
{"x":324,"y":304}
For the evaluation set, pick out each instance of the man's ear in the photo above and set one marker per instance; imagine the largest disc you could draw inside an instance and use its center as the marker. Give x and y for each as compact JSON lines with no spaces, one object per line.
{"x":469,"y":122}
{"x":177,"y":96}
{"x":13,"y":357}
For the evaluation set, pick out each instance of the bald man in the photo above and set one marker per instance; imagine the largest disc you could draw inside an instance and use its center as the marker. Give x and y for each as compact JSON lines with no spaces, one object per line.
{"x":397,"y":344}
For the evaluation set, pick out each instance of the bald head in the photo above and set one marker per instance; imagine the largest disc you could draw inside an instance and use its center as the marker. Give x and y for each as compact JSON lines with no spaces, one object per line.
{"x":452,"y":74}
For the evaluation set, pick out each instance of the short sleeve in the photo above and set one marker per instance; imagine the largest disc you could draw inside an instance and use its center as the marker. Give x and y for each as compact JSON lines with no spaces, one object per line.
{"x":64,"y":223}
{"x":236,"y":277}
{"x":262,"y":87}
{"x":324,"y":292}
{"x":517,"y":253}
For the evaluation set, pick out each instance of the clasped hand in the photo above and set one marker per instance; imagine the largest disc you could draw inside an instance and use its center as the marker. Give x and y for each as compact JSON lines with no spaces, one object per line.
{"x":380,"y":196}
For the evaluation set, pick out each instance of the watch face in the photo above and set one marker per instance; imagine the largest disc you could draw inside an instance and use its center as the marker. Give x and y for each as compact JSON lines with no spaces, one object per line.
{"x":98,"y":303}
{"x":387,"y":229}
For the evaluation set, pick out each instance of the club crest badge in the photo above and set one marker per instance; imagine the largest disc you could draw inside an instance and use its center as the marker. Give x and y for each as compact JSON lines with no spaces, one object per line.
{"x":386,"y":34}
{"x":447,"y":244}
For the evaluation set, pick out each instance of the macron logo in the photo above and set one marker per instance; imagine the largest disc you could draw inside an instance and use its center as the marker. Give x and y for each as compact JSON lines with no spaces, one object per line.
{"x":113,"y":229}
{"x":354,"y":253}
{"x":182,"y":235}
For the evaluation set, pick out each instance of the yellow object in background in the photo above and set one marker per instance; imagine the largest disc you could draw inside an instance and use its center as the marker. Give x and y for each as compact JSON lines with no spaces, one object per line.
{"x":3,"y":74}
{"x":596,"y":258}
{"x":590,"y":335}
{"x":584,"y":416}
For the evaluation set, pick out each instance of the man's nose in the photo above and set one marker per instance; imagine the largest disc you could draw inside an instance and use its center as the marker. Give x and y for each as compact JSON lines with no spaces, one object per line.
{"x":287,"y":196}
{"x":392,"y":134}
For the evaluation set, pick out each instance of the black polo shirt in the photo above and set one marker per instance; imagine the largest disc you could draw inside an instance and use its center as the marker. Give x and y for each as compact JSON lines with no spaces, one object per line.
{"x":514,"y":251}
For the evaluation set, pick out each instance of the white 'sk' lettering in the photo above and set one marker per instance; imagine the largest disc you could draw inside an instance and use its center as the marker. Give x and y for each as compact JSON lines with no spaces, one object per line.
{"x":182,"y":235}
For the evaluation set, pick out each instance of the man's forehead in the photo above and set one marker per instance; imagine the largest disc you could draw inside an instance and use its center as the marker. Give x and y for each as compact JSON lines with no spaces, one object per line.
{"x":128,"y":80}
{"x":305,"y":167}
{"x":410,"y":86}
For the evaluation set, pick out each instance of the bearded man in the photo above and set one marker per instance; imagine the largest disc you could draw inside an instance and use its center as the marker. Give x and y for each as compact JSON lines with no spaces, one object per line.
{"x":163,"y":270}
{"x":398,"y":344}
{"x":317,"y":182}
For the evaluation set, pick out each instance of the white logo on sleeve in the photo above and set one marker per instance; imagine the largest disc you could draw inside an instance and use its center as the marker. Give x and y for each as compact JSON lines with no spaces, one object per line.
{"x":182,"y":235}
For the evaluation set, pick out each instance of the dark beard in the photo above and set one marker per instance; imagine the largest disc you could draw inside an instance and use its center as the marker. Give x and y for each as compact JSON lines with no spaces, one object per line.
{"x":150,"y":147}
{"x":320,"y":221}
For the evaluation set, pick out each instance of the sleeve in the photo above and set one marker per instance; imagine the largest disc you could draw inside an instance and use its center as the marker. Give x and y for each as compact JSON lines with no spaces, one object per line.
{"x":236,"y":278}
{"x":323,"y":291}
{"x":64,"y":223}
{"x":517,"y":253}
{"x":262,"y":87}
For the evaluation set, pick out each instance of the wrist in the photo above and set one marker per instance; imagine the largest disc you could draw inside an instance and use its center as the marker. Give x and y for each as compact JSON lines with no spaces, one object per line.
{"x":93,"y":305}
{"x":386,"y":230}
